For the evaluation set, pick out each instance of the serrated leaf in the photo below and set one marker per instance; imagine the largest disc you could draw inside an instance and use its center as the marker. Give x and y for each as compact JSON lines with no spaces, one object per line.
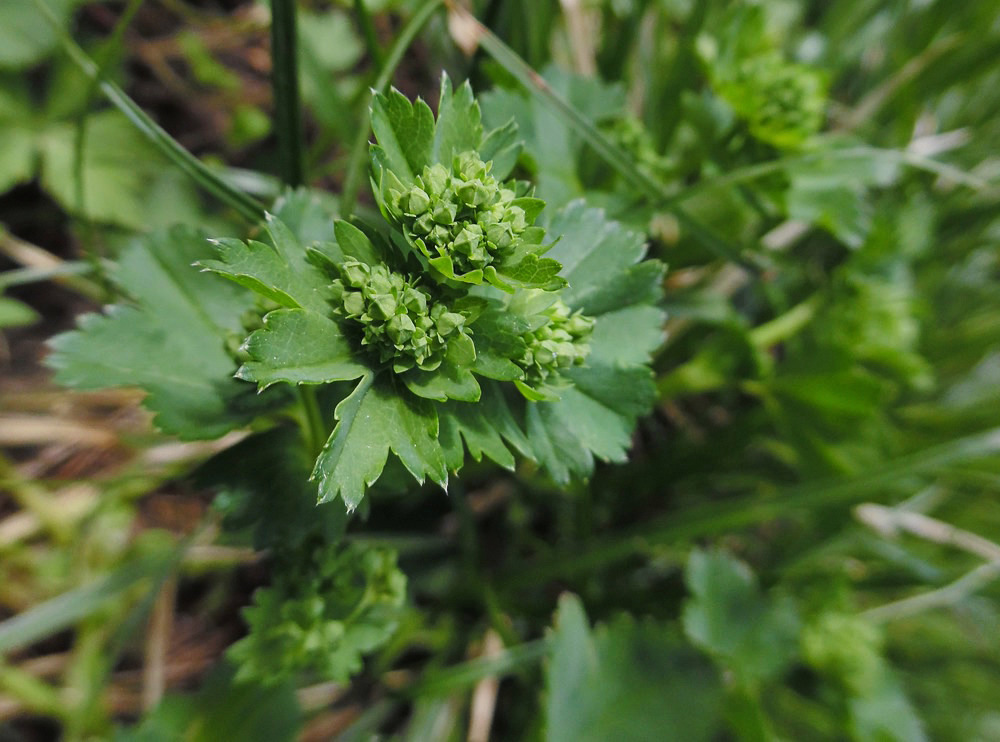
{"x":405,"y":133}
{"x":459,"y":128}
{"x":308,"y":213}
{"x":531,"y":272}
{"x":487,"y":428}
{"x":280,"y":271}
{"x":449,"y":381}
{"x":728,"y":617}
{"x":595,"y":419}
{"x":626,"y":680}
{"x":378,"y":417}
{"x":502,"y":146}
{"x":627,"y":337}
{"x":596,"y":254}
{"x":172,"y":344}
{"x":568,"y":433}
{"x":354,"y":243}
{"x":299,"y":347}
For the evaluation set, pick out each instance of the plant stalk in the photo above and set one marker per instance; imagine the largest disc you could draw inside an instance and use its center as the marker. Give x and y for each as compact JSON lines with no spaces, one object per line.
{"x":285,"y":82}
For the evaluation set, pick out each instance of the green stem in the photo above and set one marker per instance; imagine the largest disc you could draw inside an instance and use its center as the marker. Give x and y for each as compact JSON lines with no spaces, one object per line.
{"x":786,"y":325}
{"x":467,"y":674}
{"x":759,"y":170}
{"x":247,"y":207}
{"x":368,"y":31}
{"x":359,"y":149}
{"x":315,"y":431}
{"x":285,"y":81}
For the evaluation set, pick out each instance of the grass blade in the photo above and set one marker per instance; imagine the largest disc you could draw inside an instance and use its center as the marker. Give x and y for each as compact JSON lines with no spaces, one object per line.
{"x":747,"y":510}
{"x":65,"y":610}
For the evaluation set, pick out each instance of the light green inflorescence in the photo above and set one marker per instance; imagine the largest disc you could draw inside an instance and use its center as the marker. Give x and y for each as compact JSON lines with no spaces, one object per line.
{"x":783,"y":102}
{"x":464,"y":213}
{"x":561,"y":343}
{"x":401,"y":322}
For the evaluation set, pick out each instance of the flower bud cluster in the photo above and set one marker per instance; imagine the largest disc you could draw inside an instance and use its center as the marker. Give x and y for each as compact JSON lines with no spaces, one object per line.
{"x":783,"y":102}
{"x":559,"y":344}
{"x":401,"y":322}
{"x":464,"y":213}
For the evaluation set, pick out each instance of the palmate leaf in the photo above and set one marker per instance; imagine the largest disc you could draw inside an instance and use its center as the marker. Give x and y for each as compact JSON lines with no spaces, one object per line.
{"x":377,"y":417}
{"x":487,"y":428}
{"x":171,"y":342}
{"x":280,"y":271}
{"x":595,"y":418}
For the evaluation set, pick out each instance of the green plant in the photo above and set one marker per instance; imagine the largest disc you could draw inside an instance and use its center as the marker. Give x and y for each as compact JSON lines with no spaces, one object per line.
{"x":432,"y":410}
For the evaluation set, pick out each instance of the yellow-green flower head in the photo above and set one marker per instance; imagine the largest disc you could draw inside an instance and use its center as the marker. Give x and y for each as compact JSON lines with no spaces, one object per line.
{"x":561,"y":343}
{"x":463,"y":213}
{"x":782,"y":102}
{"x":401,"y":322}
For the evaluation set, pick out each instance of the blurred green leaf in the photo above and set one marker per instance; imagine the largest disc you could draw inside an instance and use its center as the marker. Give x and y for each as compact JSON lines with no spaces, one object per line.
{"x":729,"y":618}
{"x":222,"y":709}
{"x":24,"y":37}
{"x":626,"y":680}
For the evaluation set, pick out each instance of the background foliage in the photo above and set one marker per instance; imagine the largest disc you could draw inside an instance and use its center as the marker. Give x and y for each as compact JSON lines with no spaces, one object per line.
{"x":801,"y":542}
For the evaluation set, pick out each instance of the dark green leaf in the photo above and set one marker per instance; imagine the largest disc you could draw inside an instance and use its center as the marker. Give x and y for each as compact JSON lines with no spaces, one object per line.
{"x":378,"y":416}
{"x":449,"y":381}
{"x":172,"y":344}
{"x":487,"y":427}
{"x":222,"y":709}
{"x":405,"y":133}
{"x":458,"y":126}
{"x":730,"y":619}
{"x":280,"y":272}
{"x":299,"y":347}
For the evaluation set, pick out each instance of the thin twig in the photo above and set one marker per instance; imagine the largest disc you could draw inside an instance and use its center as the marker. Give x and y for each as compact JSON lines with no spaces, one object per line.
{"x":950,"y":594}
{"x":889,"y":521}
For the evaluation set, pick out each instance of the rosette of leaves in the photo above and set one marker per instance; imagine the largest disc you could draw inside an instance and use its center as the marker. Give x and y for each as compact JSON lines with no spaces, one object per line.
{"x":554,"y":368}
{"x":327,"y":607}
{"x":441,"y":182}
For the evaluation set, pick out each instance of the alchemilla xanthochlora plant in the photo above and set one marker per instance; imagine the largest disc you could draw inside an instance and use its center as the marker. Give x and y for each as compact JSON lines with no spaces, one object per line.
{"x":469,"y":319}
